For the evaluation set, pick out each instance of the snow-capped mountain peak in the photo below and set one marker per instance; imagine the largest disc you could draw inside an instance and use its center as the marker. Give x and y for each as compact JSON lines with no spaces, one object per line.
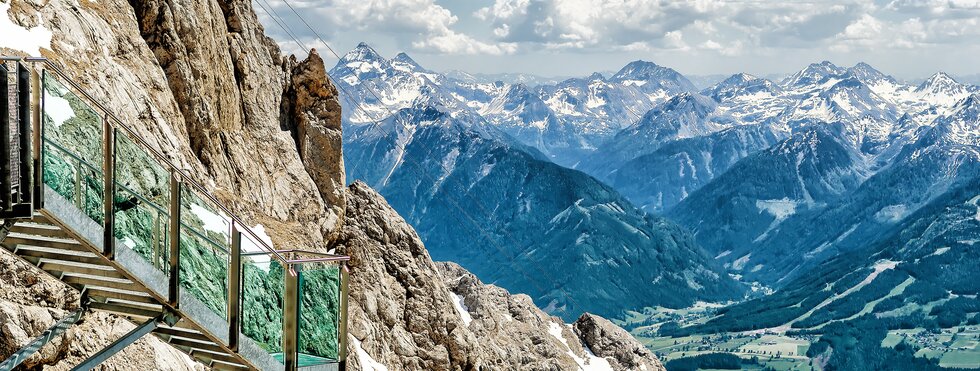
{"x":738,"y":78}
{"x":649,"y":77}
{"x":940,"y":81}
{"x":362,"y":53}
{"x":869,"y":75}
{"x":683,"y":116}
{"x":638,"y":70}
{"x":741,"y":85}
{"x":814,"y":74}
{"x":402,"y":60}
{"x":688,"y":102}
{"x":942,"y":89}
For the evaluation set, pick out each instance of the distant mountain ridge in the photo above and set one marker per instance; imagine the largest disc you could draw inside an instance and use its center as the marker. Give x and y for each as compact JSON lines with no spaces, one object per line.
{"x":706,"y":158}
{"x":521,"y":221}
{"x":828,"y":180}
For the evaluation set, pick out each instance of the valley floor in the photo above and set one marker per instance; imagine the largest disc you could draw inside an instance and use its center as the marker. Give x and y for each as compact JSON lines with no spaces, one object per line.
{"x":779,"y":349}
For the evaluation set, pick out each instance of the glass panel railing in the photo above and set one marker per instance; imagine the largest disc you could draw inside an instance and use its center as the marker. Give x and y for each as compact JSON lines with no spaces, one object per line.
{"x":319,"y":313}
{"x":73,"y":152}
{"x":72,"y":148}
{"x":262,"y":297}
{"x":141,"y":202}
{"x":205,"y":240}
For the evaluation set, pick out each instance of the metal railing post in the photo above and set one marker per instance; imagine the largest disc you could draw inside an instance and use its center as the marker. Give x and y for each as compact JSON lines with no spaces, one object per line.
{"x":36,"y":137}
{"x":174,"y":232}
{"x":108,"y":189}
{"x":342,"y":326}
{"x":290,"y":317}
{"x":6,"y":122}
{"x":234,"y":287}
{"x":79,"y":192}
{"x":32,"y":141}
{"x":25,"y":186}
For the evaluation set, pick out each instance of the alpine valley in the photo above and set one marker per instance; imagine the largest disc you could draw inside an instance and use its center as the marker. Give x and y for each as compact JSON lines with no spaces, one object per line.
{"x":825,"y":220}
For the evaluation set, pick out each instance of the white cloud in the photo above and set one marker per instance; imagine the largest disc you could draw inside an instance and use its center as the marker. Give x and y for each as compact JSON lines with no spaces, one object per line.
{"x":695,"y":33}
{"x":675,"y":40}
{"x":456,"y":43}
{"x":727,"y":27}
{"x":871,"y":33}
{"x":421,"y":23}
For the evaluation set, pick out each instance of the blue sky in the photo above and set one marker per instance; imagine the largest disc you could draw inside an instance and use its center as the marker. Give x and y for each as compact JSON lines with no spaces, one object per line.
{"x":906,"y":38}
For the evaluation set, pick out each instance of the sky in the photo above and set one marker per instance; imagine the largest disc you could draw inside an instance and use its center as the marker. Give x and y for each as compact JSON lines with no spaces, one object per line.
{"x":905,"y":38}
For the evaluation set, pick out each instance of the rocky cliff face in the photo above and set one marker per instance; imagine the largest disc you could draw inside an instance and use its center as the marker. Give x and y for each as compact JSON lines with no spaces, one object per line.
{"x":607,"y":340}
{"x":201,"y":82}
{"x":409,"y":313}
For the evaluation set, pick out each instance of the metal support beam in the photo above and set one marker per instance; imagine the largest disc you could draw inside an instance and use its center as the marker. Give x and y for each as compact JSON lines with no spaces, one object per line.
{"x":290,"y":317}
{"x":342,"y":326}
{"x":108,"y":189}
{"x":234,"y":287}
{"x":174,"y":233}
{"x":52,"y":332}
{"x":25,"y":89}
{"x":6,"y":121}
{"x":123,"y":342}
{"x":36,"y":130}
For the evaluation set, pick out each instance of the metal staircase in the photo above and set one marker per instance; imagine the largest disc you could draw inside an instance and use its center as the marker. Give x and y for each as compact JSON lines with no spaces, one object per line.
{"x":140,"y":239}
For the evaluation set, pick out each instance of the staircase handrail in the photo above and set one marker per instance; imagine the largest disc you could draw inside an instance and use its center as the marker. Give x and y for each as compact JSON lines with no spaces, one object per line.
{"x":182,"y":175}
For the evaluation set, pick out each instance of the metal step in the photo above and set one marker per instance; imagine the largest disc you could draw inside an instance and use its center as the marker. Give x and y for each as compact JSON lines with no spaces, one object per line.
{"x":87,"y":269}
{"x":207,"y":357}
{"x":39,"y":229}
{"x":54,"y":255}
{"x":39,"y":218}
{"x":181,"y":333}
{"x":125,"y":310}
{"x":16,"y":239}
{"x":75,"y":279}
{"x":219,"y":365}
{"x":128,"y":296}
{"x":196,"y":345}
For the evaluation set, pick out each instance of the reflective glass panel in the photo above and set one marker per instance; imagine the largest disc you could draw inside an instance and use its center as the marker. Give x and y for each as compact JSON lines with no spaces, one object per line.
{"x":262,"y":297}
{"x":205,"y":237}
{"x":72,"y":147}
{"x":141,"y":202}
{"x":319,"y":285}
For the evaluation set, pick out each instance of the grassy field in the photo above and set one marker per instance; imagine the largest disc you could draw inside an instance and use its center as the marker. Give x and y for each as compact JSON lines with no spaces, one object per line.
{"x":955,"y":348}
{"x":774,"y":344}
{"x":779,"y":352}
{"x":776,"y":351}
{"x":960,"y":359}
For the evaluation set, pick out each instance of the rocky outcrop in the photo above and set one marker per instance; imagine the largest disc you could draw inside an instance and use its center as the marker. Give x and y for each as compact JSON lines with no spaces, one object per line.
{"x":513,"y":331}
{"x":311,"y":110}
{"x":605,"y":339}
{"x":400,"y":313}
{"x":410,"y":313}
{"x":230,"y":83}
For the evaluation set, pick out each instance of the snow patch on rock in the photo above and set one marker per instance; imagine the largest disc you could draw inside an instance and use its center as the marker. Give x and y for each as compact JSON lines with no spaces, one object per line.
{"x":464,"y":312}
{"x":15,"y":37}
{"x":367,"y":362}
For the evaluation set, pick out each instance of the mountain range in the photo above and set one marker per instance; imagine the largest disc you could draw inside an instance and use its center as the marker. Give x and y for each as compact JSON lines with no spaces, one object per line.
{"x":481,"y":196}
{"x":769,"y":191}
